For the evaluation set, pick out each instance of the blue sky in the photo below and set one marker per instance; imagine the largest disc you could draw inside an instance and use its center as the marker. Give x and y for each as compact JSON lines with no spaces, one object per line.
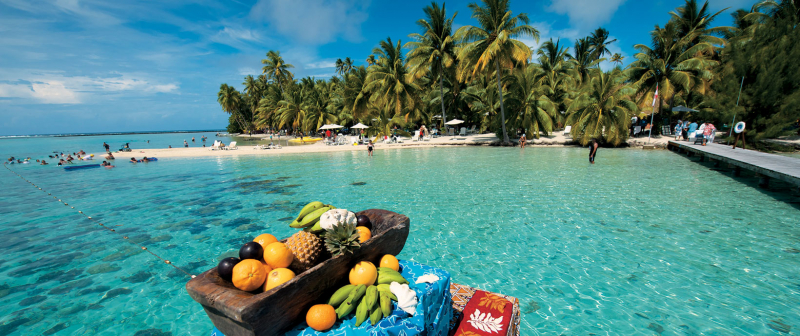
{"x":71,"y":66}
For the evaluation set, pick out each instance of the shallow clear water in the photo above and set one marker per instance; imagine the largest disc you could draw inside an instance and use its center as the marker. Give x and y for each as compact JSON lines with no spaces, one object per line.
{"x":642,"y":242}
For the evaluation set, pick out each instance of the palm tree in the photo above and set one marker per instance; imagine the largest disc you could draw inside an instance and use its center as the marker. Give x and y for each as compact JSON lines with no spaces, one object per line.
{"x":617,"y":58}
{"x":292,"y":110}
{"x":494,"y":43}
{"x":434,"y":49}
{"x":556,"y":74}
{"x":695,"y":24}
{"x":347,"y":65}
{"x":603,"y":109}
{"x":231,"y":102}
{"x":388,"y":82}
{"x":371,"y":60}
{"x":669,"y":65}
{"x":276,"y":69}
{"x":599,"y":43}
{"x":583,"y":60}
{"x":340,"y":67}
{"x":526,"y":95}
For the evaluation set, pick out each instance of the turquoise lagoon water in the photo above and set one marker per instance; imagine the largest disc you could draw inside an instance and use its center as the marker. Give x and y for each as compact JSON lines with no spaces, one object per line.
{"x":641,"y":243}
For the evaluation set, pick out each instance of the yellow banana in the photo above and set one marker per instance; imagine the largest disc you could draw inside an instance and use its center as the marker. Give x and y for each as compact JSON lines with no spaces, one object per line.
{"x":310,"y":219}
{"x":309,"y":208}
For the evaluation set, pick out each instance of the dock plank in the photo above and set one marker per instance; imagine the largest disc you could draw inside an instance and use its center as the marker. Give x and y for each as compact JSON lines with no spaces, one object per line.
{"x":779,"y":167}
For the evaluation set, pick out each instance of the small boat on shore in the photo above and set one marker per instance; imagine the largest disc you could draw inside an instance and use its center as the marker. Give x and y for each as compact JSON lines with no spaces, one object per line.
{"x":305,"y":140}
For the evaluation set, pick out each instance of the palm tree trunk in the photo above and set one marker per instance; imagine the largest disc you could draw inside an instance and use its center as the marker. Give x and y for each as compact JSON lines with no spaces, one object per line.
{"x":502,"y":108}
{"x":441,"y":93}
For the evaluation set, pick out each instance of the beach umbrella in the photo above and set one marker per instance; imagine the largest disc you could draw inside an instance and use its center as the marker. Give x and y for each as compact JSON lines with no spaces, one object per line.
{"x":330,"y":126}
{"x":360,"y":125}
{"x":454,"y":122}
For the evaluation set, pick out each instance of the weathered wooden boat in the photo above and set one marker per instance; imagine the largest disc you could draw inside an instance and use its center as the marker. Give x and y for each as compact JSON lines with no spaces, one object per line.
{"x":238,"y":313}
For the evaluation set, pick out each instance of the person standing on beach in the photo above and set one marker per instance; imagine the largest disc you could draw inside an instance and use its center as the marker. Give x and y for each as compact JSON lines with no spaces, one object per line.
{"x":105,"y":145}
{"x":593,"y":150}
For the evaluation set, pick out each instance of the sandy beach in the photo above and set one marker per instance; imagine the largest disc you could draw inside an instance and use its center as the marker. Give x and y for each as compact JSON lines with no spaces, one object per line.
{"x":320,"y":147}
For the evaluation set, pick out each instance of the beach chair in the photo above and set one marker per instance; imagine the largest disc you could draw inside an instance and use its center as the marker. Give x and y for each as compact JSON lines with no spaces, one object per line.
{"x":637,"y":130}
{"x":275,"y":146}
{"x":232,"y":146}
{"x":415,"y":137}
{"x":666,"y":130}
{"x":471,"y":130}
{"x":451,"y":132}
{"x":463,"y":131}
{"x":567,"y":130}
{"x":215,"y":146}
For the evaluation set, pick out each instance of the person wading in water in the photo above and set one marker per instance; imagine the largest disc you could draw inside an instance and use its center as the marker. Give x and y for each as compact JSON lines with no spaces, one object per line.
{"x":593,"y":150}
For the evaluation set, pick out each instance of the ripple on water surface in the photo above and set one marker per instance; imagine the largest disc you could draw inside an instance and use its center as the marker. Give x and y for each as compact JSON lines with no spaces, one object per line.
{"x":639,"y":243}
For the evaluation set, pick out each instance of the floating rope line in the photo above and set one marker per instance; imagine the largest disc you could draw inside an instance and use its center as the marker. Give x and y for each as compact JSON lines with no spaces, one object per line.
{"x":103,"y":225}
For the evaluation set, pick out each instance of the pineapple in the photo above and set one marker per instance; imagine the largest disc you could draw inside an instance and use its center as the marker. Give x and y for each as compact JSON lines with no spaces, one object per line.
{"x":342,"y":239}
{"x":307,"y":248}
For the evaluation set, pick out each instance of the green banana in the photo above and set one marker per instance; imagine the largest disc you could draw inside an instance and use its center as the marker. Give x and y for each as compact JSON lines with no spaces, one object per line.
{"x":315,"y":229}
{"x":376,"y":315}
{"x":310,"y":219}
{"x":384,"y":288}
{"x":360,"y":290}
{"x":340,"y":295}
{"x":309,"y":208}
{"x":349,"y":304}
{"x":372,"y":296}
{"x":387,"y":270}
{"x":386,"y":278}
{"x":361,"y":312}
{"x":386,"y":303}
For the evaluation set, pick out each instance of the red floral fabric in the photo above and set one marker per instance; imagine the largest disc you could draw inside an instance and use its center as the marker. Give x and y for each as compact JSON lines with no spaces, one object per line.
{"x":485,"y":314}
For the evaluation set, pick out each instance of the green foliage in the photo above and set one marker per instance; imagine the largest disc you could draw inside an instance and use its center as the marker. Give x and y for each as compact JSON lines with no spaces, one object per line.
{"x":485,"y":76}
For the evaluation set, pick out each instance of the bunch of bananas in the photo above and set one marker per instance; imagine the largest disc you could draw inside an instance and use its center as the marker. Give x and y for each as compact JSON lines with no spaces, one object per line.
{"x":373,"y":301}
{"x":308,"y":218}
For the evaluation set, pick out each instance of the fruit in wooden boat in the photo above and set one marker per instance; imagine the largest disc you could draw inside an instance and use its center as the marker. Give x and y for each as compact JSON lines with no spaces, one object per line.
{"x":277,"y":255}
{"x":225,"y":267}
{"x":251,"y":250}
{"x":364,"y":234}
{"x":389,"y":261}
{"x":363,"y":273}
{"x":364,"y":221}
{"x":265,"y":239}
{"x":321,"y":317}
{"x":342,"y":239}
{"x":277,"y":277}
{"x":248,"y":275}
{"x":306,"y":248}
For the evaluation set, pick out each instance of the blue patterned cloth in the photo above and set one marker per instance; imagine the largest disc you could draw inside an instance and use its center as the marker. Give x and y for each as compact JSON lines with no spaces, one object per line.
{"x":433,"y":310}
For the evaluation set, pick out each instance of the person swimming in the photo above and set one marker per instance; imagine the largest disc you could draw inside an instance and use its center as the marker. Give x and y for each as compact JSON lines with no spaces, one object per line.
{"x":145,"y":159}
{"x":133,"y":160}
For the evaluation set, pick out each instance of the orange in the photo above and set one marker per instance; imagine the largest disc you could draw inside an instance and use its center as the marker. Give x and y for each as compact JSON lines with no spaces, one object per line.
{"x":267,"y":268}
{"x":277,"y":255}
{"x":363,"y":273}
{"x":265,"y":239}
{"x":248,"y":275}
{"x":321,"y":317}
{"x":364,"y":233}
{"x":277,"y":277}
{"x":389,"y":261}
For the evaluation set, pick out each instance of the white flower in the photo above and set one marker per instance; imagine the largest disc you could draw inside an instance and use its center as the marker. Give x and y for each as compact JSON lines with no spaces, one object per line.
{"x":335,"y":217}
{"x":485,"y":322}
{"x":406,"y":297}
{"x":429,"y":278}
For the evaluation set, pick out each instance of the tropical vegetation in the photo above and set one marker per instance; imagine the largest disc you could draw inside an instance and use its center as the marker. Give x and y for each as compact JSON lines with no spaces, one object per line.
{"x":485,"y":75}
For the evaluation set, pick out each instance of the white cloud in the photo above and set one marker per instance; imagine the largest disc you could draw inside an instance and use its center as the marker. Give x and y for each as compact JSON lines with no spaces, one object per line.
{"x":92,"y":16}
{"x":240,"y":34}
{"x":614,"y":49}
{"x":55,"y":88}
{"x":321,"y":65}
{"x":249,"y":71}
{"x":314,"y":21}
{"x":49,"y":92}
{"x":585,"y":14}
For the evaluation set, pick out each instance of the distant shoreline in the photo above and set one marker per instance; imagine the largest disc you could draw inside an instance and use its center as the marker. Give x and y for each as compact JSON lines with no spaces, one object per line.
{"x":103,"y":133}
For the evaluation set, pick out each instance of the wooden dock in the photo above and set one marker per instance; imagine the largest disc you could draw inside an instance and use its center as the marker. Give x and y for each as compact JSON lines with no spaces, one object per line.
{"x":766,"y":166}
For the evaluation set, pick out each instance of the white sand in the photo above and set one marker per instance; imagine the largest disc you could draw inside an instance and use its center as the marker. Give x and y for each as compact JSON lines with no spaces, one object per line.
{"x":319,"y":147}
